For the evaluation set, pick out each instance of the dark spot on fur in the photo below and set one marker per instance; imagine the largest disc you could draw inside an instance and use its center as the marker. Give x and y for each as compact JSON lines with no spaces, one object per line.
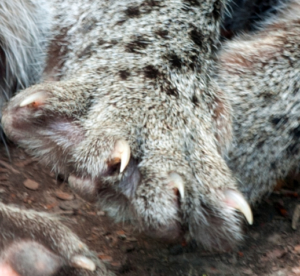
{"x":276,"y":120}
{"x":162,"y":33}
{"x":110,"y":44}
{"x":193,"y":58}
{"x":152,"y":3}
{"x":151,"y":72}
{"x":100,"y":41}
{"x":267,"y":95}
{"x":293,"y":148}
{"x":195,"y":100}
{"x":114,"y":41}
{"x":273,"y":166}
{"x":192,"y":65}
{"x":121,"y":22}
{"x":167,"y":87}
{"x":260,"y":144}
{"x":216,"y":13}
{"x":295,"y":91}
{"x":296,"y":132}
{"x":139,"y":43}
{"x":280,"y":119}
{"x":149,"y":5}
{"x":87,"y":51}
{"x":124,"y":74}
{"x":197,"y":37}
{"x":175,"y":61}
{"x":132,"y":11}
{"x":89,"y":102}
{"x":172,"y":92}
{"x":193,"y":2}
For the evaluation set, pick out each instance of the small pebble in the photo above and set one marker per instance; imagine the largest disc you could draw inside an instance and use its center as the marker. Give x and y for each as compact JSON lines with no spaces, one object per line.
{"x":275,"y":239}
{"x":69,"y":205}
{"x":247,"y":271}
{"x":121,"y":235}
{"x":31,"y":184}
{"x":296,"y":216}
{"x":297,"y":248}
{"x":63,"y":195}
{"x":116,"y":264}
{"x":105,"y":258}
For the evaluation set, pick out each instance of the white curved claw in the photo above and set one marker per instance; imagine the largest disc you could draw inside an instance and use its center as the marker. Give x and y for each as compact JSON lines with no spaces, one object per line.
{"x":38,"y":97}
{"x":237,"y":201}
{"x":122,"y":152}
{"x":83,"y":262}
{"x":177,"y":182}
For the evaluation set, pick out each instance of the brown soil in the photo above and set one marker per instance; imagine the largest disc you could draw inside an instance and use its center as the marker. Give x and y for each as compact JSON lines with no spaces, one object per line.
{"x":271,"y":246}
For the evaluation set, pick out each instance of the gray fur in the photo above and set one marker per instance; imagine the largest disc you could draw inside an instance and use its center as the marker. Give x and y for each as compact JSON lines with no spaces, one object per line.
{"x":138,"y":71}
{"x":22,"y":44}
{"x":19,"y":226}
{"x":24,"y":34}
{"x":246,"y":16}
{"x":145,"y":71}
{"x":260,"y":73}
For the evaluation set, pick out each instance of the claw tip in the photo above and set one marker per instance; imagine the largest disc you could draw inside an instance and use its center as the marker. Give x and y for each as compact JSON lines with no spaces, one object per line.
{"x":177,"y":183}
{"x":237,"y":201}
{"x":122,"y":151}
{"x":37,"y":99}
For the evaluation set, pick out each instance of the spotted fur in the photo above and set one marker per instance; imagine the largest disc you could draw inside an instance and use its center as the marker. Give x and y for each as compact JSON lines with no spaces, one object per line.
{"x":146,"y":71}
{"x":138,"y":71}
{"x":260,"y":74}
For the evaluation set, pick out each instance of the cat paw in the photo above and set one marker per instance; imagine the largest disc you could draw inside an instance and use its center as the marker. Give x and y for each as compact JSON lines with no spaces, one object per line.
{"x":156,"y":163}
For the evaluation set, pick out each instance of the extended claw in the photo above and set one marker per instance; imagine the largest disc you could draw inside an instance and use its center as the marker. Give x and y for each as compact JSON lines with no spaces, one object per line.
{"x":177,"y":183}
{"x":121,"y":154}
{"x":237,"y":201}
{"x":83,"y":262}
{"x":35,"y":99}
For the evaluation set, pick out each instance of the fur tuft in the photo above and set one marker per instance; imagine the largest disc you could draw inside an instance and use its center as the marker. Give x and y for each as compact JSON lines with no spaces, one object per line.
{"x":23,"y":43}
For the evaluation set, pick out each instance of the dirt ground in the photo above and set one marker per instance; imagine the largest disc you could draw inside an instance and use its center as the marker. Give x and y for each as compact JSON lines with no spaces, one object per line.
{"x":271,"y":246}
